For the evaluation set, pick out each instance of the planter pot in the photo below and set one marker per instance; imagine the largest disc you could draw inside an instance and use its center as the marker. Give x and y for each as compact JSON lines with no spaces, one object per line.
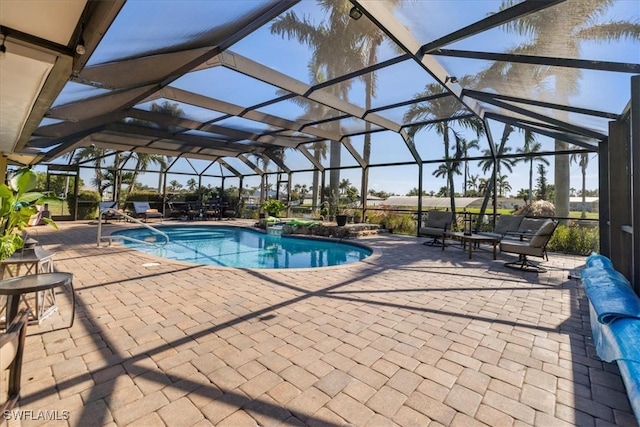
{"x":341,"y":220}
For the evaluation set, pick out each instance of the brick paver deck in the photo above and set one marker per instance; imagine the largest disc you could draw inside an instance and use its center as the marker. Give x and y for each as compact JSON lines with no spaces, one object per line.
{"x":412,"y":336}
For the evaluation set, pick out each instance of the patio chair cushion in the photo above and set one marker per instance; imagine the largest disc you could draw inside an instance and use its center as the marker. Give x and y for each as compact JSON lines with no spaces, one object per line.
{"x":531,"y":225}
{"x":438,"y":220}
{"x":542,"y":235}
{"x":507,"y":223}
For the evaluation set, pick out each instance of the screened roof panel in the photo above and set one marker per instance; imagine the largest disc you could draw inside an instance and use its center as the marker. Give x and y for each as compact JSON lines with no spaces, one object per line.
{"x":238,"y":165}
{"x":443,"y":16}
{"x":246,"y":125}
{"x":73,"y":92}
{"x":208,"y":134}
{"x":386,"y":147}
{"x":295,"y":160}
{"x":566,"y":37}
{"x":599,"y":124}
{"x":391,"y":83}
{"x":227,"y":85}
{"x":320,"y":151}
{"x":143,"y":28}
{"x":302,"y":110}
{"x":560,"y":85}
{"x":188,"y":111}
{"x":327,"y":31}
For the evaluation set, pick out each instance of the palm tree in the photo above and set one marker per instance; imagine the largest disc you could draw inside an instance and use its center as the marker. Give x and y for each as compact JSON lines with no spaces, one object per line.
{"x":192,"y":184}
{"x":96,"y":155}
{"x":582,"y":159}
{"x":143,"y":161}
{"x":503,"y":162}
{"x":473,"y":182}
{"x":371,"y":38}
{"x":336,"y":52}
{"x":503,"y":185}
{"x":483,"y":184}
{"x":579,"y":24}
{"x":344,"y":185}
{"x":174,"y":186}
{"x":448,"y":107}
{"x":442,"y":171}
{"x":530,"y":148}
{"x":465,"y":146}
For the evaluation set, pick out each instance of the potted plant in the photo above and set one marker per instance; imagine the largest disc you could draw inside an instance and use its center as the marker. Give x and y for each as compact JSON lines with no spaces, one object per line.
{"x":17,"y":205}
{"x":273,"y":206}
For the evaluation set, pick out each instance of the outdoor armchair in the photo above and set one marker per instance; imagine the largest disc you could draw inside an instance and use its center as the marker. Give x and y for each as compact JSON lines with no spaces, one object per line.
{"x":535,"y":246}
{"x":505,"y":224}
{"x":437,"y":224}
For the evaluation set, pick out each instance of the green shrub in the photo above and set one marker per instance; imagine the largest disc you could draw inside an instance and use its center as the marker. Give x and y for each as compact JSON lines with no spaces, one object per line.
{"x":398,"y":223}
{"x":575,"y":239}
{"x":87,"y":204}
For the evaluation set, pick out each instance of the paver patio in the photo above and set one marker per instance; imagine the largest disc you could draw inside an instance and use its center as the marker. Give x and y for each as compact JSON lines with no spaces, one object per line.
{"x":412,"y":336}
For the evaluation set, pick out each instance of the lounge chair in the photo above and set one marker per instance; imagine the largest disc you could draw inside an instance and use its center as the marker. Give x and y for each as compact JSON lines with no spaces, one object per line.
{"x":437,"y":224}
{"x":108,"y":211}
{"x":11,"y":349}
{"x":144,"y":211}
{"x":535,"y":245}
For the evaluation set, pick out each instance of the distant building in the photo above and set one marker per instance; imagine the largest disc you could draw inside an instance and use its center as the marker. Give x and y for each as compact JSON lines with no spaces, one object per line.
{"x":592,"y":204}
{"x":433,"y":202}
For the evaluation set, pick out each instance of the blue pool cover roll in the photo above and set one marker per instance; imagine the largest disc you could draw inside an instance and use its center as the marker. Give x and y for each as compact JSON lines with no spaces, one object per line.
{"x":614,"y":311}
{"x":609,"y":292}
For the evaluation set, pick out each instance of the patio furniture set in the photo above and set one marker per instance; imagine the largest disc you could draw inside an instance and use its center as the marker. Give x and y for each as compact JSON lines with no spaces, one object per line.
{"x":514,"y":234}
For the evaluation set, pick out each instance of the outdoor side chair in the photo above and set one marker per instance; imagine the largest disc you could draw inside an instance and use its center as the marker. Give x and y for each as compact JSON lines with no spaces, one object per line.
{"x":437,"y":224}
{"x":536,"y":246}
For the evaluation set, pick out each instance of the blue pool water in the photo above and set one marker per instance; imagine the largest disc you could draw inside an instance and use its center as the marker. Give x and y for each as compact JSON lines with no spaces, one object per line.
{"x":243,"y":248}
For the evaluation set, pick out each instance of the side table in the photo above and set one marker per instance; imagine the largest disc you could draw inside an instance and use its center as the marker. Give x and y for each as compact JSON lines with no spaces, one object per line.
{"x":33,"y":260}
{"x":15,"y":287}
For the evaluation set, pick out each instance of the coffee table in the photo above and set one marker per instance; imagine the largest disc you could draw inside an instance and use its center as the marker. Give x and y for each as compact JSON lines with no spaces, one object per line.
{"x":471,"y":240}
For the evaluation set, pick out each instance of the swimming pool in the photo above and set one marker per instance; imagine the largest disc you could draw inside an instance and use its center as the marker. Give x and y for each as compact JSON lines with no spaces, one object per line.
{"x":243,"y":248}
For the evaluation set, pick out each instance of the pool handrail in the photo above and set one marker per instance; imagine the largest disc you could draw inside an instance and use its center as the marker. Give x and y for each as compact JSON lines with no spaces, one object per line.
{"x":110,"y":238}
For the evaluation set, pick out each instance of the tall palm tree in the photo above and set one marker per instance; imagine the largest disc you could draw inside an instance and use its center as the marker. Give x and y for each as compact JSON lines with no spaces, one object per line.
{"x":465,"y":146}
{"x":473,"y":182}
{"x":442,"y":171}
{"x":444,"y":107}
{"x":192,"y":184}
{"x":503,"y":162}
{"x":336,"y":52}
{"x":96,"y":155}
{"x":174,"y":186}
{"x":503,"y":185}
{"x":531,"y":147}
{"x":582,"y":159}
{"x":344,"y":185}
{"x":371,"y":38}
{"x":579,"y":23}
{"x":143,"y":161}
{"x":483,"y":184}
